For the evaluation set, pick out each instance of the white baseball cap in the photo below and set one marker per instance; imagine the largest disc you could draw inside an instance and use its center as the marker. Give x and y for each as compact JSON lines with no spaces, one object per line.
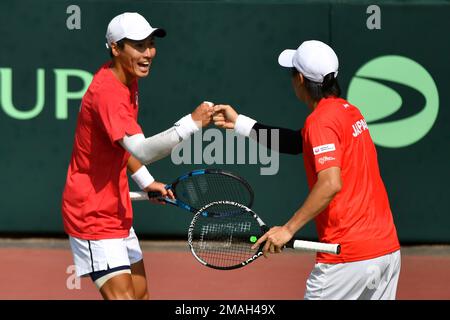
{"x":130,"y":25}
{"x":314,"y":59}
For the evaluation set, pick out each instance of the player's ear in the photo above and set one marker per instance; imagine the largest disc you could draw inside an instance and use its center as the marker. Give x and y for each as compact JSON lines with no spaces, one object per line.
{"x":301,"y":78}
{"x":115,"y":50}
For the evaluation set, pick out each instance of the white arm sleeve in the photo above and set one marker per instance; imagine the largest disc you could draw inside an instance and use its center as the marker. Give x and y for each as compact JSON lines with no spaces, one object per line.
{"x":148,"y":150}
{"x":244,"y":125}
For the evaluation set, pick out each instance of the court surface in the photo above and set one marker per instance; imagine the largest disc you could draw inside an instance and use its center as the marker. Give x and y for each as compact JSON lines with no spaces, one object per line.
{"x":42,"y":269}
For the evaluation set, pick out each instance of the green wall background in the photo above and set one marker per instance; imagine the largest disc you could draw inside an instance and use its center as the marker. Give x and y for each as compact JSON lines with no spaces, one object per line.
{"x":226,"y":52}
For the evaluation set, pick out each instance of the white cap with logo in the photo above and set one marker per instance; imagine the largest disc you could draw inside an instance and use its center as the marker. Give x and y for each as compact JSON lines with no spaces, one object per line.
{"x":130,"y":25}
{"x":314,"y":59}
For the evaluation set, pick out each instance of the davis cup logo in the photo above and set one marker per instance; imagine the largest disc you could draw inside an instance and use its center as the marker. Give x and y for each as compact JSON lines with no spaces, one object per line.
{"x":397,"y":97}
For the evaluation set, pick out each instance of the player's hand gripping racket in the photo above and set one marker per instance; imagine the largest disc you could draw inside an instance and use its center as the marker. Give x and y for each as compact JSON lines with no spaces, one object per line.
{"x":222,"y":233}
{"x":199,"y":187}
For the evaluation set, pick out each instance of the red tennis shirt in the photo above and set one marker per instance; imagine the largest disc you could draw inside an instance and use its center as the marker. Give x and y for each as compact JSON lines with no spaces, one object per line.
{"x":96,"y":202}
{"x":359,"y":217}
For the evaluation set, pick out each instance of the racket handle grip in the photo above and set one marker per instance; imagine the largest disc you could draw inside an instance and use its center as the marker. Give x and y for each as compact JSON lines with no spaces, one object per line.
{"x":154,"y":194}
{"x":138,"y":195}
{"x":314,"y":246}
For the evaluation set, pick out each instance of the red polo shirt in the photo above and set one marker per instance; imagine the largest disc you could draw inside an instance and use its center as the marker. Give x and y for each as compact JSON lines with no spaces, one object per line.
{"x":359,"y":217}
{"x":96,"y":203}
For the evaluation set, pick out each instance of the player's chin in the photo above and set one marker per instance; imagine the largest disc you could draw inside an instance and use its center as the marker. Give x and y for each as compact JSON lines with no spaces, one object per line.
{"x":142,"y":71}
{"x":142,"y":74}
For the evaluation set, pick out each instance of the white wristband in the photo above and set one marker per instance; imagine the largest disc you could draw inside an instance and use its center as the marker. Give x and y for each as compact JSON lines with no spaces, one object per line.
{"x":142,"y":177}
{"x":186,"y":126}
{"x":244,"y":125}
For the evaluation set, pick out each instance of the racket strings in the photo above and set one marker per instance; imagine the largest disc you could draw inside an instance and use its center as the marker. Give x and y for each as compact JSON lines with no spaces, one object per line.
{"x":224,"y":240}
{"x":199,"y":190}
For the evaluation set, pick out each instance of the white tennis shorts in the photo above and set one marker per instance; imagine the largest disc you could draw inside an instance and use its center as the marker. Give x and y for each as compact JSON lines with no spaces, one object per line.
{"x":373,"y":279}
{"x":98,"y":255}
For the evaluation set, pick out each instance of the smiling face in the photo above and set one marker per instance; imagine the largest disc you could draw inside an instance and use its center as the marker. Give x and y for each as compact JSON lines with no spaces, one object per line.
{"x":133,"y":60}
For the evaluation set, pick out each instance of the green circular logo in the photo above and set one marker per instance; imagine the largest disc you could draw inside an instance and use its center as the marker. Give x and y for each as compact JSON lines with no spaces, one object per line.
{"x":395,"y":120}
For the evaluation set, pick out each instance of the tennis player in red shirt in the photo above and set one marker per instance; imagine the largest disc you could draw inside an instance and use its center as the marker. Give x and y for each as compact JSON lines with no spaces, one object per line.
{"x":347,"y":198}
{"x":96,"y":206}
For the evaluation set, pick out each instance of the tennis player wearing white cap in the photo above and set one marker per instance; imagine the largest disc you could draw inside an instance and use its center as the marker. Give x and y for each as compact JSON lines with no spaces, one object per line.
{"x":96,"y":206}
{"x":347,"y":198}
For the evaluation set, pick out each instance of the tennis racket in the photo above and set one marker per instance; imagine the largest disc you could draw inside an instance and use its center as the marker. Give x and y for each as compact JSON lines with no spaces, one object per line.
{"x":197,"y":188}
{"x":222,"y":233}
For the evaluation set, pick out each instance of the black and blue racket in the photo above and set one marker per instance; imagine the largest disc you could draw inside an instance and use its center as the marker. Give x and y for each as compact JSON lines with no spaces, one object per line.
{"x":197,"y":188}
{"x":222,"y":233}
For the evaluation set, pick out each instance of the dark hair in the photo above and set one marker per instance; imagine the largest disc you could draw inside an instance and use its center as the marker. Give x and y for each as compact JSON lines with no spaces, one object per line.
{"x":120,"y":44}
{"x":328,"y":88}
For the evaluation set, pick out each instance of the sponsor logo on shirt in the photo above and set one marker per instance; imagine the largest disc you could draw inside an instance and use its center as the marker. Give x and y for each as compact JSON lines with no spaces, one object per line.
{"x":325,"y":159}
{"x":358,"y":127}
{"x":324,"y":148}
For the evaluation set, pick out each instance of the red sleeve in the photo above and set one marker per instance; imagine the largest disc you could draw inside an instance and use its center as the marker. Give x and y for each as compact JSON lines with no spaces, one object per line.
{"x":117,"y":117}
{"x":323,"y":137}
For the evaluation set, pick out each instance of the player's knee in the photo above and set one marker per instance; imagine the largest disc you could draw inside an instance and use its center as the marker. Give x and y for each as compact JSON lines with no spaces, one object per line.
{"x":141,"y":292}
{"x":143,"y":296}
{"x":114,"y":283}
{"x":118,"y":291}
{"x":119,"y":294}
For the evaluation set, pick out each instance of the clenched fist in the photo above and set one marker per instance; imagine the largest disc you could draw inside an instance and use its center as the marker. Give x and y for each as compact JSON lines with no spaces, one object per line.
{"x":160,"y":187}
{"x":224,"y":116}
{"x":202,"y":115}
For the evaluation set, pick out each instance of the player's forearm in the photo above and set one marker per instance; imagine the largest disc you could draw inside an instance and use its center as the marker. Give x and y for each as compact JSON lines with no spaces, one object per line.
{"x":318,"y":199}
{"x":148,"y":150}
{"x":289,"y":141}
{"x":139,"y":173}
{"x":133,"y":164}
